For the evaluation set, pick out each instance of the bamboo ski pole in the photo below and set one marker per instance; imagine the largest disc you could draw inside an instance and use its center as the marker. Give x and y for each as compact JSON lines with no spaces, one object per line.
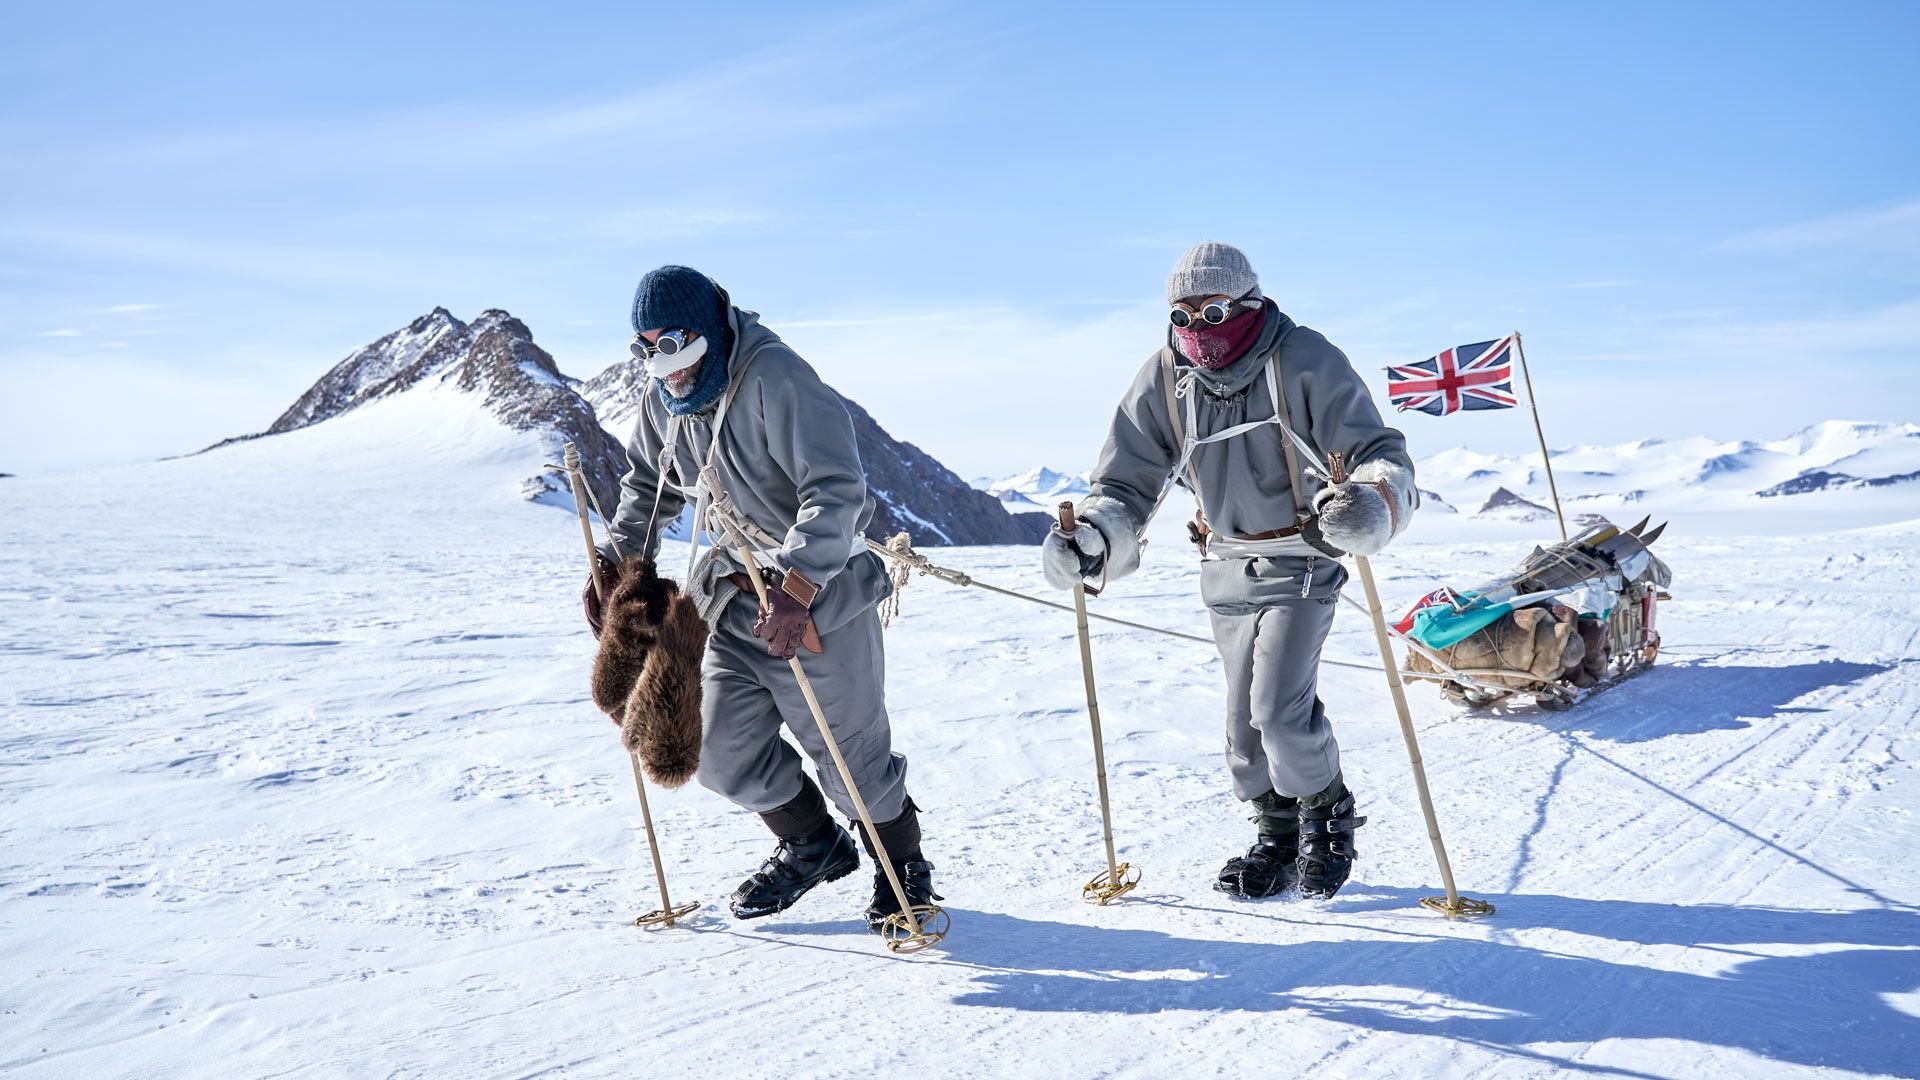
{"x":1453,"y":904}
{"x":1533,"y":405}
{"x":1120,"y":877}
{"x":905,"y":930}
{"x":667,"y":913}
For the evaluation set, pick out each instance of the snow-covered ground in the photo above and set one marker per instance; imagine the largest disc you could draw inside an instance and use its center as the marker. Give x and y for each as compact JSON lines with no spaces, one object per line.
{"x":300,"y":777}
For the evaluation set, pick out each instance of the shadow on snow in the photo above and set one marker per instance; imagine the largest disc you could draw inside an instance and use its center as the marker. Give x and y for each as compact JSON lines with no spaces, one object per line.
{"x":1826,"y":1009}
{"x":1688,"y":699}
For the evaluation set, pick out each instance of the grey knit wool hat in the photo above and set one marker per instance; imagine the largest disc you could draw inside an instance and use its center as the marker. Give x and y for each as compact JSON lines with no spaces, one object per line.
{"x":1212,"y":269}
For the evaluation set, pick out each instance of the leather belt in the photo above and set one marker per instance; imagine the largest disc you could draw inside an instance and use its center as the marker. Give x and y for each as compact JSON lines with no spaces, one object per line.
{"x":1273,"y":534}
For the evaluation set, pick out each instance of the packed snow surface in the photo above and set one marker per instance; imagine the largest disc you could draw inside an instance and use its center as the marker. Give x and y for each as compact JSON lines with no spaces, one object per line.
{"x":301,"y":778}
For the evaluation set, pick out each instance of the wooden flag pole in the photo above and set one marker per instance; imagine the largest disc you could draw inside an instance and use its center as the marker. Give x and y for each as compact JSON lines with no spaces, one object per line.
{"x":1533,"y":404}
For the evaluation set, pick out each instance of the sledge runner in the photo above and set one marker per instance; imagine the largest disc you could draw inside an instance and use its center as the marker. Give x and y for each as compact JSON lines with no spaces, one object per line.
{"x":784,"y":468}
{"x":1211,"y":411}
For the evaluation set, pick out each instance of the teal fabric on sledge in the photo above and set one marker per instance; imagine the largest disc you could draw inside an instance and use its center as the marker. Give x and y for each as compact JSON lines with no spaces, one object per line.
{"x":1440,"y":626}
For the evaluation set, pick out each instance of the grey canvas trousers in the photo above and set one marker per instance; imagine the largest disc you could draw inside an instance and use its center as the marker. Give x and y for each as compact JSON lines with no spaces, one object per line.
{"x":1269,"y":635}
{"x":747,"y":694}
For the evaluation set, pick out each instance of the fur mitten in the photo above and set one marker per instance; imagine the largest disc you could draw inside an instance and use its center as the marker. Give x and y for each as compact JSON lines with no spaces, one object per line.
{"x":662,"y":721}
{"x":1371,"y":508}
{"x":647,"y":673}
{"x":635,"y":606}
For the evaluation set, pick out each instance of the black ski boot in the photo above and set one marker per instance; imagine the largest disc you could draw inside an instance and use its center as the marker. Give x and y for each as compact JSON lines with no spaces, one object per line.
{"x":916,"y":877}
{"x":1326,"y":844}
{"x":796,"y":866}
{"x":901,"y":837}
{"x":813,"y":849}
{"x":1268,"y":868}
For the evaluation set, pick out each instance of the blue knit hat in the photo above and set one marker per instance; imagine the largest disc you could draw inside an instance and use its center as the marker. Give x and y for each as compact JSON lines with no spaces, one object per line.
{"x":680,"y":298}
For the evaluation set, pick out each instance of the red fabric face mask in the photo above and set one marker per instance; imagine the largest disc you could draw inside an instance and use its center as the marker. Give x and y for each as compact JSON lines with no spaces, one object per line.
{"x":1214,"y":347}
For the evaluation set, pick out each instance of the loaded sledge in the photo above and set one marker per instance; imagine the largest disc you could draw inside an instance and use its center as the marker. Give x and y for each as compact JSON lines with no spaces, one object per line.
{"x":1573,"y":617}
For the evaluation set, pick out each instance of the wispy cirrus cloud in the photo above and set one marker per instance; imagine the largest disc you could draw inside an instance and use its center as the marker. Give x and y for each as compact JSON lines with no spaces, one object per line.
{"x":127,"y":309}
{"x":1886,"y":229}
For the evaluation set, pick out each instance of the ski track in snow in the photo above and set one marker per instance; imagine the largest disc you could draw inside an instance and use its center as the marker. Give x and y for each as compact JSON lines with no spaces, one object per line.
{"x":301,"y":778}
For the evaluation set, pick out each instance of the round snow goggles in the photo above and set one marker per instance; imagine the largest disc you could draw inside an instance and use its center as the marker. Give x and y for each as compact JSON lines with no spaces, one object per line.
{"x":1215,"y":311}
{"x":670,"y":344}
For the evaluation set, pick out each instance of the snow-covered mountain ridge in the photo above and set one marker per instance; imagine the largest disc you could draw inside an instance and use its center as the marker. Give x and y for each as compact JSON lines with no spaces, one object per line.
{"x":493,"y":365}
{"x":1039,"y":488}
{"x":1863,"y":471}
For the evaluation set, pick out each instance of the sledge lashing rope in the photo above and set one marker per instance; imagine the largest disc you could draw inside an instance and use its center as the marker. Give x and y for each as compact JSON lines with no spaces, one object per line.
{"x":1452,"y":905}
{"x":668,"y":912}
{"x":1118,"y":878}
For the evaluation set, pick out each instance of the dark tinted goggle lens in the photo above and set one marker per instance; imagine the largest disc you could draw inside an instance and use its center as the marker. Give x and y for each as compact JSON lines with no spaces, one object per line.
{"x":670,"y":343}
{"x":1214,"y":312}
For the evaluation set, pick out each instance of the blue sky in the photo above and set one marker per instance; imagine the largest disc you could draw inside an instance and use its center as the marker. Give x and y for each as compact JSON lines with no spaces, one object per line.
{"x":1704,"y":217}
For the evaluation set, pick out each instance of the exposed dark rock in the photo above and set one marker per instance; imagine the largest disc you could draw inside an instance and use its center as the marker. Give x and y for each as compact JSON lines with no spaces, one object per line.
{"x":919,"y":496}
{"x":495,"y":357}
{"x":1822,"y":480}
{"x":349,"y":383}
{"x":1511,"y":505}
{"x":912,"y":492}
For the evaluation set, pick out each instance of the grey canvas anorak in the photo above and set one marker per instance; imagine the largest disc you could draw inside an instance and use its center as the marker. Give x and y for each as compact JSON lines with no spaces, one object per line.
{"x":1242,"y":482}
{"x":787,"y":458}
{"x":1271,"y":611}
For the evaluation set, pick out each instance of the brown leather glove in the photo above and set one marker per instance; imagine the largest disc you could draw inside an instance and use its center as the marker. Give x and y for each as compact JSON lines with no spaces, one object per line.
{"x":783,"y":624}
{"x":590,"y":599}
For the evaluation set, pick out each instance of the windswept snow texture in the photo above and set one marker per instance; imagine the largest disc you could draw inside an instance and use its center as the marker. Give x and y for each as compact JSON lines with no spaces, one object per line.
{"x":301,"y":778}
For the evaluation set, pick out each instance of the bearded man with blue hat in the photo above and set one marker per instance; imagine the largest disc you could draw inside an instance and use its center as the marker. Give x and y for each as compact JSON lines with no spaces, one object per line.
{"x":734,"y":420}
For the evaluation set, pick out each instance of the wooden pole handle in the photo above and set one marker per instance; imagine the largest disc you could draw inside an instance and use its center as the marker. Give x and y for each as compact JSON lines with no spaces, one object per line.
{"x":1337,"y":466}
{"x":1067,"y":523}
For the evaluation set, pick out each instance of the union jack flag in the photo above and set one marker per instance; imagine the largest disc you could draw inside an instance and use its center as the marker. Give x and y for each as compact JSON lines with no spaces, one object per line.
{"x":1442,"y":595}
{"x":1448,"y":383}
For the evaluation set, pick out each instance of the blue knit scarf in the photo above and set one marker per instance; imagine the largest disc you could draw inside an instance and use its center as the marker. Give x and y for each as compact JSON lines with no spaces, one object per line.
{"x":707,"y":385}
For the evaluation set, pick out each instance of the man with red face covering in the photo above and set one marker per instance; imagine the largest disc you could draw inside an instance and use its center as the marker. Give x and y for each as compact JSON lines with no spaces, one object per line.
{"x":1241,"y":407}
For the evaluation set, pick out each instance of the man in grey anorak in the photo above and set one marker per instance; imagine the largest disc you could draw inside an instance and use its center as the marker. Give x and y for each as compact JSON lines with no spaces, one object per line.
{"x":780,"y":460}
{"x":1212,"y":411}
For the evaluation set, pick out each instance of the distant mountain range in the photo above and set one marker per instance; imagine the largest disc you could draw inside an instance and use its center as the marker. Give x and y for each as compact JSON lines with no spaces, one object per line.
{"x":1837,"y":455}
{"x":494,"y":363}
{"x":1826,"y":456}
{"x":1037,"y":489}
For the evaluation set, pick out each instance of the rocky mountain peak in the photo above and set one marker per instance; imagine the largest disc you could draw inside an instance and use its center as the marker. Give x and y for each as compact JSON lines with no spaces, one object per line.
{"x":496,"y":359}
{"x":1508,"y":504}
{"x":497,"y":320}
{"x":352,"y":381}
{"x":493,"y":357}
